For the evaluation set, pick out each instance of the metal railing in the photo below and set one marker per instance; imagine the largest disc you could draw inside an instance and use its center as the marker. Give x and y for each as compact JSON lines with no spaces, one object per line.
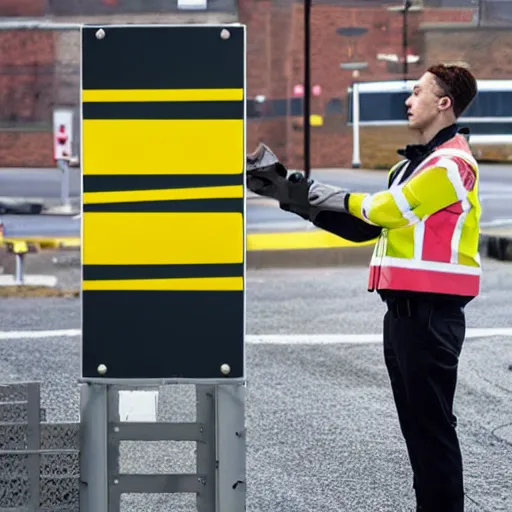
{"x":71,"y":467}
{"x":39,"y":461}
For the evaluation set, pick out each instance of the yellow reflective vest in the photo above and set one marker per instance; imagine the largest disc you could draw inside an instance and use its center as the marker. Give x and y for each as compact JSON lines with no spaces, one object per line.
{"x":431,"y":225}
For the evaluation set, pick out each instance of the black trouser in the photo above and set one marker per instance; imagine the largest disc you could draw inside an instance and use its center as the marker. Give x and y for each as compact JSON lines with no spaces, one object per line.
{"x":422,"y":344}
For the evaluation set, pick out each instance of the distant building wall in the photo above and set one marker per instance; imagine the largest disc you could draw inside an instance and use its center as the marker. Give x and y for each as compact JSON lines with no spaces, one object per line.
{"x":40,"y":69}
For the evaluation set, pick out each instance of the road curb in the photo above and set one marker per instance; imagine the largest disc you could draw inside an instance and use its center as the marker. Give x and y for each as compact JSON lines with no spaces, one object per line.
{"x":304,"y":249}
{"x":497,"y":243}
{"x":308,"y":249}
{"x":21,"y":205}
{"x":310,"y":258}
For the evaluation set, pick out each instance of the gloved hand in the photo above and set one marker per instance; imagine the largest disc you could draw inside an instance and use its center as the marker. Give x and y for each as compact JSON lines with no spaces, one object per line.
{"x":266,"y":176}
{"x":297,"y":201}
{"x":328,"y":197}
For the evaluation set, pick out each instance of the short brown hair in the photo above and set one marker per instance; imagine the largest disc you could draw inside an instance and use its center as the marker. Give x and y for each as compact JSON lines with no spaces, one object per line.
{"x":457,"y":82}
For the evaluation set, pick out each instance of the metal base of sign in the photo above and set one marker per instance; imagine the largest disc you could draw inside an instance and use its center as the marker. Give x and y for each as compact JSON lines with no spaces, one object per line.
{"x":159,"y":382}
{"x":219,"y":433}
{"x":93,"y":448}
{"x":230,"y":436}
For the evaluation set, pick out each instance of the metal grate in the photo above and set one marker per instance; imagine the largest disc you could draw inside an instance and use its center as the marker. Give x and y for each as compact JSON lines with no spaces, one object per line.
{"x":39,"y":461}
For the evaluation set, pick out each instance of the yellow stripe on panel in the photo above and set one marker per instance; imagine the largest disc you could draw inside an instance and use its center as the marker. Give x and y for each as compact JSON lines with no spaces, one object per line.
{"x":162,"y":238}
{"x":134,"y":95}
{"x":183,"y":284}
{"x":163,"y":146}
{"x":227,"y":192}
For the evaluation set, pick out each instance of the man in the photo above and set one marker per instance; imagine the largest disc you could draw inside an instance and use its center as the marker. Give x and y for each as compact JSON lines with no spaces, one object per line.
{"x":425,"y":267}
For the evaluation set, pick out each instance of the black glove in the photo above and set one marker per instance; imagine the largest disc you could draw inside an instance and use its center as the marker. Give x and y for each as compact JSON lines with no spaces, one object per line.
{"x":339,"y":223}
{"x":266,"y":176}
{"x":297,"y":198}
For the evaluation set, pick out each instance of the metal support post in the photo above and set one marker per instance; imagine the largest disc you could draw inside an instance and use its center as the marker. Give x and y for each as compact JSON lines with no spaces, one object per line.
{"x":64,"y":183}
{"x":206,"y":454}
{"x":34,"y":443}
{"x":114,"y":496}
{"x":93,"y":448}
{"x":356,"y":158}
{"x":231,"y":446}
{"x":405,"y":42}
{"x":307,"y":88}
{"x":20,"y":260}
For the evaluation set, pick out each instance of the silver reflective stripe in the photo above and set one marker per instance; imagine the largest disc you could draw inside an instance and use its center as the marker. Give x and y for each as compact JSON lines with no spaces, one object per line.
{"x":457,"y":234}
{"x":434,"y":266}
{"x":419,"y":237}
{"x":457,"y":152}
{"x":366,"y":205}
{"x":403,"y":204}
{"x":455,"y":178}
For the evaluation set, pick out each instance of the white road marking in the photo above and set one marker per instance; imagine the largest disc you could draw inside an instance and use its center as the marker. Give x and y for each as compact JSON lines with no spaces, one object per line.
{"x":272,"y":339}
{"x":347,"y":339}
{"x":313,"y":339}
{"x":142,"y":406}
{"x":20,"y":335}
{"x":496,"y":222}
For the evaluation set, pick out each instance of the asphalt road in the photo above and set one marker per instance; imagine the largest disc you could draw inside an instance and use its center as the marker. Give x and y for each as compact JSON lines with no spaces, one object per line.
{"x":262,"y":214}
{"x":42,"y":183}
{"x":322,"y":433}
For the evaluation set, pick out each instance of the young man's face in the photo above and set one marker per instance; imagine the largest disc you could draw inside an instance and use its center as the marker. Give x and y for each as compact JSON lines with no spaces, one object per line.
{"x":423,"y":103}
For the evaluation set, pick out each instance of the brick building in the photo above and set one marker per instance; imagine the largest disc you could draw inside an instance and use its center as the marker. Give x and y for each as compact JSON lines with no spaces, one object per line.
{"x":359,"y":32}
{"x":40,"y":69}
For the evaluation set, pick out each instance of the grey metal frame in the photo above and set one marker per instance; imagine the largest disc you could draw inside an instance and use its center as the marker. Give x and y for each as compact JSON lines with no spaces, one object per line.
{"x":219,"y":431}
{"x":96,"y":483}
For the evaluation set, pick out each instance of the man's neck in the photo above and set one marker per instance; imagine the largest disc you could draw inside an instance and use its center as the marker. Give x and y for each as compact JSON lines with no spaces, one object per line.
{"x":432,"y":130}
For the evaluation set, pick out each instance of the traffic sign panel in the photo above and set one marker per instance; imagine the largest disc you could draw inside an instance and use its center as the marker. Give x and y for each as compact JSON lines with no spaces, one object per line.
{"x":163,"y":231}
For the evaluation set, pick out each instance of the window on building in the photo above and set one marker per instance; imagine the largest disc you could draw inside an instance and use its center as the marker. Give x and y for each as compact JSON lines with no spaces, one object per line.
{"x":334,"y":107}
{"x":491,"y":104}
{"x":379,"y":106}
{"x":496,"y":11}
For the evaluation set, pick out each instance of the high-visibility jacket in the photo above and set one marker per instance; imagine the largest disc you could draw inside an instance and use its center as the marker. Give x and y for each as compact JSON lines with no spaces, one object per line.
{"x":430,"y":235}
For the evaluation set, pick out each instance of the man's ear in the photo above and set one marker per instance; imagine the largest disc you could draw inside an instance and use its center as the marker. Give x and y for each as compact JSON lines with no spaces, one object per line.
{"x":444,"y":103}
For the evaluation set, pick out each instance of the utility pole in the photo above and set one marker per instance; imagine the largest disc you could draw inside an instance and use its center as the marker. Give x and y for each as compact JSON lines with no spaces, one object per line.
{"x":405,"y":44}
{"x":307,"y":88}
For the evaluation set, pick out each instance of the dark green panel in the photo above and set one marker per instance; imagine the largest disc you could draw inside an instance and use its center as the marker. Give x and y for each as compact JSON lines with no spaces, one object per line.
{"x":153,"y":335}
{"x":164,"y":110}
{"x":186,"y":205}
{"x":160,"y":57}
{"x":95,"y":272}
{"x":119,"y":183}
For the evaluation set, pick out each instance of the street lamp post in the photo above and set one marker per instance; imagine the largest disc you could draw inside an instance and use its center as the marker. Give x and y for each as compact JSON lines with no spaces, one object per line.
{"x":407,"y":6}
{"x":307,"y":88}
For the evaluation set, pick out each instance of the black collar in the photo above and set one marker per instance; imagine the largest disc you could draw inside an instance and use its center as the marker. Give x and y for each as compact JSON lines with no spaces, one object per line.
{"x":415,"y":151}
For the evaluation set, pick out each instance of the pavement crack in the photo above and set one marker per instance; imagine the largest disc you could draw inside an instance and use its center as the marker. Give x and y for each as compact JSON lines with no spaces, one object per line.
{"x":483,"y":508}
{"x":499,"y":427}
{"x":496,"y":385}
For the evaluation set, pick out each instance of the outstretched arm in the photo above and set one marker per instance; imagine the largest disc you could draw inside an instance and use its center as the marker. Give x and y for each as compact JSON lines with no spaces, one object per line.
{"x":430,"y":191}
